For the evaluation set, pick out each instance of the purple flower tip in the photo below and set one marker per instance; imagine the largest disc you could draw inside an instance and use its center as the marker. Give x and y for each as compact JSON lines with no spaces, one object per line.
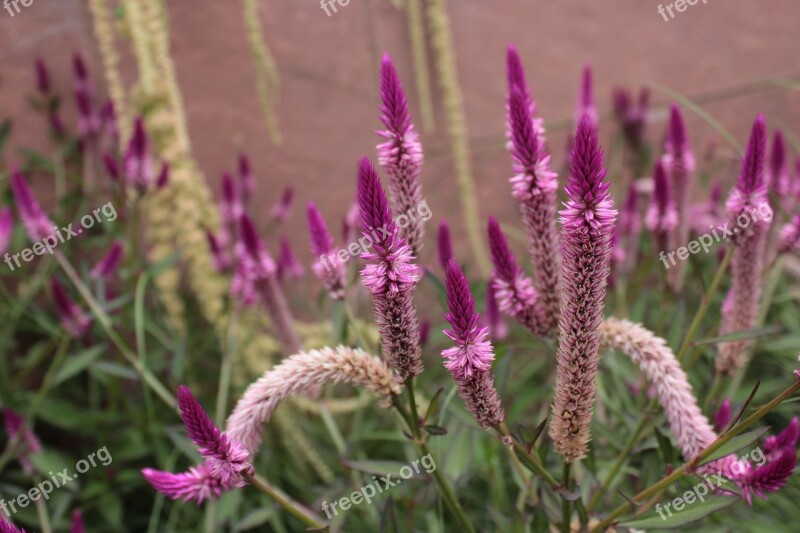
{"x":777,"y":162}
{"x":661,"y":194}
{"x":321,"y":239}
{"x":472,"y":352}
{"x":6,"y":229}
{"x":283,"y":207}
{"x":587,"y":96}
{"x":394,"y":106}
{"x":163,"y":176}
{"x":523,"y":133}
{"x":110,"y":262}
{"x":252,"y":241}
{"x":244,"y":165}
{"x":677,"y":129}
{"x":515,"y":72}
{"x":752,"y":176}
{"x":8,"y":527}
{"x":445,"y":244}
{"x":111,"y":166}
{"x":372,"y":202}
{"x":42,"y":77}
{"x":785,"y":439}
{"x":77,"y":525}
{"x":79,"y":66}
{"x":723,"y":415}
{"x":505,"y":263}
{"x":36,"y":222}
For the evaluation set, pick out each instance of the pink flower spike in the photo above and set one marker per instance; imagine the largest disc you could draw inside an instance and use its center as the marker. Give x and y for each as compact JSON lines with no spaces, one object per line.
{"x":77,"y":525}
{"x":283,"y":208}
{"x":246,"y":177}
{"x":785,"y":439}
{"x":138,"y":164}
{"x":27,"y":441}
{"x":225,"y":458}
{"x":445,"y":245}
{"x":33,"y":217}
{"x":222,"y":260}
{"x":231,"y":208}
{"x":585,"y":106}
{"x":6,"y":229}
{"x":42,"y":77}
{"x":661,"y":217}
{"x":197,"y":485}
{"x":73,"y":319}
{"x":111,"y":166}
{"x":767,"y":477}
{"x":722,"y":416}
{"x":288,"y":265}
{"x":777,"y":176}
{"x":327,"y":267}
{"x":163,"y":176}
{"x":8,"y":527}
{"x":108,"y":265}
{"x":494,"y":320}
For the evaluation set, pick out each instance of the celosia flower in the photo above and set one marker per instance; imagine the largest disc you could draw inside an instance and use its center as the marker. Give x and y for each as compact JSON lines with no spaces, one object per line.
{"x":6,"y":229}
{"x":219,"y":254}
{"x":679,"y":164}
{"x":785,"y":439}
{"x":8,"y":527}
{"x":494,"y":320}
{"x":748,"y":196}
{"x":22,"y":438}
{"x":790,"y":236}
{"x":470,"y":360}
{"x":231,"y":208}
{"x":108,"y":121}
{"x":42,"y":77}
{"x":108,"y":265}
{"x":628,"y":230}
{"x":83,"y":84}
{"x":400,"y":155}
{"x":767,"y":477}
{"x":288,"y":265}
{"x":73,"y":319}
{"x":587,"y":222}
{"x":390,"y":276}
{"x":33,"y":217}
{"x":661,"y":217}
{"x":445,"y":245}
{"x":585,"y":106}
{"x":198,"y":484}
{"x":328,"y":268}
{"x":534,"y":186}
{"x":283,"y":207}
{"x":138,"y":164}
{"x":246,"y":178}
{"x":77,"y":525}
{"x":722,"y":416}
{"x":89,"y":122}
{"x":111,"y":165}
{"x":163,"y":176}
{"x":632,"y":117}
{"x":776,"y":176}
{"x":514,"y":291}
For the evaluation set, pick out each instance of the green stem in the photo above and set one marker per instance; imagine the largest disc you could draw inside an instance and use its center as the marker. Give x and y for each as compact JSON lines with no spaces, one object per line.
{"x":566,"y":511}
{"x":294,"y":508}
{"x":531,"y":460}
{"x":690,"y":466}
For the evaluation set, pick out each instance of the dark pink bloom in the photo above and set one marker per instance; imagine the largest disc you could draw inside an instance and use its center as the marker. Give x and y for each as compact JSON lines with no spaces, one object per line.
{"x":108,"y":121}
{"x":790,"y":236}
{"x":73,"y":319}
{"x":6,"y":229}
{"x":628,"y":231}
{"x":767,"y":477}
{"x":138,"y":164}
{"x":112,"y":167}
{"x":108,"y":265}
{"x":89,"y":121}
{"x":77,"y":525}
{"x":42,"y":77}
{"x":327,"y":267}
{"x":219,"y":254}
{"x":661,"y":217}
{"x":33,"y":217}
{"x":785,"y":439}
{"x":163,"y":176}
{"x":445,"y":245}
{"x":493,"y":319}
{"x":587,"y":222}
{"x":8,"y":527}
{"x":231,"y":208}
{"x":514,"y":291}
{"x":246,"y":178}
{"x":585,"y":106}
{"x":390,"y":276}
{"x":400,"y":155}
{"x":631,"y":116}
{"x":283,"y":207}
{"x":288,"y":265}
{"x":776,"y":176}
{"x":470,"y":360}
{"x":722,"y":416}
{"x":25,"y":440}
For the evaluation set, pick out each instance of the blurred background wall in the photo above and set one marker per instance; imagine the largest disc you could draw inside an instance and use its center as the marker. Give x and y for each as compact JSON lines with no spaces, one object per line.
{"x":726,"y":55}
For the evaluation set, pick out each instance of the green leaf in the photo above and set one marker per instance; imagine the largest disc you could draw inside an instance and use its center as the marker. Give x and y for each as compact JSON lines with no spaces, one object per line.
{"x":742,"y":335}
{"x":433,"y":406}
{"x":389,"y":518}
{"x":78,"y":363}
{"x":735,"y":444}
{"x":691,"y":513}
{"x":114,"y":369}
{"x":377,"y":467}
{"x":665,"y":446}
{"x":255,"y":519}
{"x":436,"y":430}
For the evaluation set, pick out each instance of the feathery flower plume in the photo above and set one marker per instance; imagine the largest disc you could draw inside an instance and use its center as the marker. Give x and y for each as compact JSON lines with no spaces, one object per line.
{"x":661,"y":217}
{"x":83,"y":84}
{"x":514,"y":291}
{"x":73,"y":319}
{"x":585,"y":106}
{"x":261,"y":271}
{"x":288,"y":265}
{"x":658,"y":363}
{"x":138,"y":164}
{"x":299,"y":373}
{"x":445,"y":245}
{"x":8,"y":527}
{"x":246,"y":177}
{"x":534,"y":186}
{"x":722,"y":416}
{"x":42,"y":77}
{"x":515,"y":76}
{"x":22,"y":438}
{"x":6,"y":229}
{"x":470,"y":360}
{"x":400,"y":156}
{"x":785,"y":439}
{"x":108,"y":265}
{"x":587,"y":222}
{"x":390,"y":276}
{"x":283,"y":207}
{"x":77,"y":525}
{"x":767,"y":477}
{"x":748,"y":195}
{"x":33,"y":217}
{"x":198,"y":484}
{"x":328,"y":268}
{"x":679,"y":164}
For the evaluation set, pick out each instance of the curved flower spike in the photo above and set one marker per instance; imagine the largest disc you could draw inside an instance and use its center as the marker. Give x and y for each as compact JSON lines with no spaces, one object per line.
{"x":33,"y":217}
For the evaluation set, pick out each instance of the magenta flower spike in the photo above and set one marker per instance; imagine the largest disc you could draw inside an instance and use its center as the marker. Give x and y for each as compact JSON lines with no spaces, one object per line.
{"x":231,"y":208}
{"x":661,"y":217}
{"x":790,"y":236}
{"x":748,"y":196}
{"x":82,"y":81}
{"x":470,"y":360}
{"x":785,"y":439}
{"x":220,"y":256}
{"x":33,"y":217}
{"x":111,"y":166}
{"x":327,"y":267}
{"x":163,"y":176}
{"x":445,"y":245}
{"x":107,"y":266}
{"x":722,"y":416}
{"x":197,"y":484}
{"x":27,"y":441}
{"x":247,"y":179}
{"x":587,"y":222}
{"x":515,"y":76}
{"x":288,"y":265}
{"x":8,"y":527}
{"x":586,"y":106}
{"x":767,"y":477}
{"x":776,"y":176}
{"x":514,"y":291}
{"x":632,"y":117}
{"x":138,"y":164}
{"x":73,"y":319}
{"x":628,"y":230}
{"x":498,"y":328}
{"x":283,"y":208}
{"x":42,"y":77}
{"x":77,"y":525}
{"x":89,"y":121}
{"x":390,"y":276}
{"x":108,"y":122}
{"x":534,"y":186}
{"x":6,"y":229}
{"x":400,"y":156}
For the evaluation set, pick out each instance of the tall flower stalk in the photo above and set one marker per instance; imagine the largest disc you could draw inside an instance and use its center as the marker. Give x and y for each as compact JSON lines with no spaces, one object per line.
{"x":587,"y":225}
